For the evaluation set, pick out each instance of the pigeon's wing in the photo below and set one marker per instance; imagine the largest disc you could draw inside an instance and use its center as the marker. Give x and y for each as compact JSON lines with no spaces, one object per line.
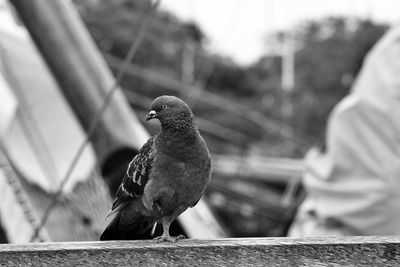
{"x":135,"y":178}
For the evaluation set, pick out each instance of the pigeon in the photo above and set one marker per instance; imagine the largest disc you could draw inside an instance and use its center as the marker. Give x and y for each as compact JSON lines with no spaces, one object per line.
{"x":167,"y":176}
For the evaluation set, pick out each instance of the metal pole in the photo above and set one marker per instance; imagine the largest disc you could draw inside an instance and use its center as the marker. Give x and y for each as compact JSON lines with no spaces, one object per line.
{"x":82,"y":73}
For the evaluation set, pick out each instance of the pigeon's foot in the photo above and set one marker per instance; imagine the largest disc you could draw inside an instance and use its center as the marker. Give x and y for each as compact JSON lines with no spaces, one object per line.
{"x":168,"y":238}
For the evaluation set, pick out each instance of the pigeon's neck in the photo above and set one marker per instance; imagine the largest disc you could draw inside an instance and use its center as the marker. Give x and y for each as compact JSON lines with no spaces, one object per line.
{"x":179,"y":131}
{"x":178,"y":122}
{"x":179,"y":139}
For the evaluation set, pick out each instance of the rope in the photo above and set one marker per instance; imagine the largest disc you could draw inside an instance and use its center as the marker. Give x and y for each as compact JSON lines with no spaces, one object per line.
{"x":20,"y":195}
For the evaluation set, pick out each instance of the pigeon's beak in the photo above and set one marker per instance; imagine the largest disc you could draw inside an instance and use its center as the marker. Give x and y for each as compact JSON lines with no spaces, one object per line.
{"x":152,"y":114}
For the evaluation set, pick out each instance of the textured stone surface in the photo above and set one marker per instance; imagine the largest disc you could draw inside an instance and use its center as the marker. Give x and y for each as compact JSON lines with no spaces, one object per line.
{"x":349,"y":251}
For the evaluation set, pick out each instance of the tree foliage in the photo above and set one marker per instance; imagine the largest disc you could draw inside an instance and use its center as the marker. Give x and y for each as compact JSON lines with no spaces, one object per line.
{"x":328,"y":56}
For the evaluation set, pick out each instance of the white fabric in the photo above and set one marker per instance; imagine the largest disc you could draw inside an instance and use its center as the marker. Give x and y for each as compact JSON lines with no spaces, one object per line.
{"x":8,"y":104}
{"x":356,"y":182}
{"x":52,"y":117}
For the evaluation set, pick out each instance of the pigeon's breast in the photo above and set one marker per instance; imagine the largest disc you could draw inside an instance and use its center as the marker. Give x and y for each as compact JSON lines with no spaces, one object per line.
{"x":188,"y":179}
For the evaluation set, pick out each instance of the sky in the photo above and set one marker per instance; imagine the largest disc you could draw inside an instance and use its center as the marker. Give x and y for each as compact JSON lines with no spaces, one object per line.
{"x":238,"y":28}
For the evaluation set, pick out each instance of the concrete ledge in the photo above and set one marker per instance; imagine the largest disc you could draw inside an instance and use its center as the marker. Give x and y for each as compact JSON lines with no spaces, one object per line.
{"x":345,"y":251}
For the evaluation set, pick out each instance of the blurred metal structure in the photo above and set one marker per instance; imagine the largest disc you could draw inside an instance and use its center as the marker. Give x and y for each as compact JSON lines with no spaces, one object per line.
{"x":210,"y":98}
{"x":82,"y":74}
{"x":86,"y":82}
{"x":266,"y":169}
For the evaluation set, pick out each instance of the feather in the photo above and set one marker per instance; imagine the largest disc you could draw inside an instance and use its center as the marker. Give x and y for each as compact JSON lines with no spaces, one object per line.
{"x":136,"y":177}
{"x":167,"y":176}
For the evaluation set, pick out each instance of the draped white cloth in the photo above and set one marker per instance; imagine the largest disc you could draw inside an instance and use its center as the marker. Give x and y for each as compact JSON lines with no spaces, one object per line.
{"x":8,"y":104}
{"x":354,"y":186}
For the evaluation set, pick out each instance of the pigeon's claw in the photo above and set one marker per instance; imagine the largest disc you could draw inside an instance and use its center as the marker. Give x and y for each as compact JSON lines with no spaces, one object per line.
{"x":168,"y":238}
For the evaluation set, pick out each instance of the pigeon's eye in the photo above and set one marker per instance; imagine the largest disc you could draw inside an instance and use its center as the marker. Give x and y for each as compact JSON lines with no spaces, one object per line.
{"x":164,"y":106}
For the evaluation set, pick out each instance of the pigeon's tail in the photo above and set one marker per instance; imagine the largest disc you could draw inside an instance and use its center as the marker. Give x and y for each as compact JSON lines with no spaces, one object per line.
{"x":139,"y":227}
{"x":112,"y":231}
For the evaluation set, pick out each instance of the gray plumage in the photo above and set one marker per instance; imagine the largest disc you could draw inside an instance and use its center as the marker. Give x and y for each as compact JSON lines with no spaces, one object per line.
{"x":167,"y":176}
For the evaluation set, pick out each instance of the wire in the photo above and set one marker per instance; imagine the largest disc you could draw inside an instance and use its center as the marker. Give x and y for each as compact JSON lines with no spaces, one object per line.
{"x":131,"y":53}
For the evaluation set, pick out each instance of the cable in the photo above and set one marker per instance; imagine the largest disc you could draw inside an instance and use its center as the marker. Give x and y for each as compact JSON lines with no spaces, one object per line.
{"x":131,"y":53}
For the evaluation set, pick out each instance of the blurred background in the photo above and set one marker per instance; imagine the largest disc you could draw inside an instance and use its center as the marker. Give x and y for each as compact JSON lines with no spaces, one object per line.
{"x":261,"y":77}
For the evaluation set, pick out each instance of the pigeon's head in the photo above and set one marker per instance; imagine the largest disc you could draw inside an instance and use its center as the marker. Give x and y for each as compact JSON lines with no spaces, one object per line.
{"x":168,"y":108}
